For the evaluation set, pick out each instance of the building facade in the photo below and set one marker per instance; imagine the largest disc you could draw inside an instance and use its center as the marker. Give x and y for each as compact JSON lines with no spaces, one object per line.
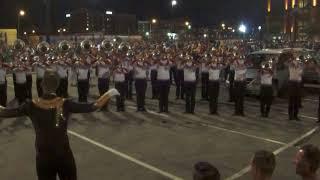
{"x":295,"y":20}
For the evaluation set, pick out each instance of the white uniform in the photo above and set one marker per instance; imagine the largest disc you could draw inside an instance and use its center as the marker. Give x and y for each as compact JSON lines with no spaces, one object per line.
{"x":189,"y":74}
{"x":240,"y":74}
{"x":103,"y":72}
{"x":163,"y":72}
{"x":214,"y":74}
{"x":40,"y":72}
{"x":3,"y":75}
{"x":83,"y":73}
{"x":62,"y":71}
{"x":295,"y":73}
{"x":119,"y":77}
{"x":21,"y":77}
{"x":140,"y":72}
{"x":266,"y":79}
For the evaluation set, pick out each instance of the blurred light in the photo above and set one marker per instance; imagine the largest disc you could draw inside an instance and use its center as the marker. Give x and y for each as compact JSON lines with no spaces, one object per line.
{"x":269,"y":6}
{"x":223,"y":25}
{"x":293,"y":3}
{"x":33,"y":31}
{"x":205,"y":35}
{"x":286,"y":4}
{"x":189,"y":27}
{"x":291,"y":30}
{"x":147,"y":33}
{"x":230,"y":28}
{"x":174,"y":3}
{"x":242,"y":28}
{"x":114,"y":40}
{"x":187,"y":23}
{"x":64,"y":30}
{"x":259,"y":28}
{"x":314,"y":3}
{"x":154,"y":21}
{"x":59,"y":30}
{"x":109,"y":12}
{"x":87,"y":29}
{"x":22,"y":13}
{"x":25,"y":33}
{"x":68,"y":15}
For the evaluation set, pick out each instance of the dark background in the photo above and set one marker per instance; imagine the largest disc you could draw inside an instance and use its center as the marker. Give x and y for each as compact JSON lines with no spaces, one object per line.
{"x":200,"y":12}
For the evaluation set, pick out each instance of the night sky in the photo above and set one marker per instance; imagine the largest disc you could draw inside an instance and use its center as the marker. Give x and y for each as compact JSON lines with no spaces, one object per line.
{"x":201,"y":12}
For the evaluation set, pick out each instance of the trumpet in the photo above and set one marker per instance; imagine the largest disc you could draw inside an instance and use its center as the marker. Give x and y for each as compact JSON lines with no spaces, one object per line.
{"x":124,"y":47}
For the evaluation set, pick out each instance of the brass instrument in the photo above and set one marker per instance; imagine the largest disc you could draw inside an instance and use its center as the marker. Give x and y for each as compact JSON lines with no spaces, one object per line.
{"x":19,"y":45}
{"x":124,"y":47}
{"x":43,"y":47}
{"x":107,"y":45}
{"x":86,"y":46}
{"x":64,"y":46}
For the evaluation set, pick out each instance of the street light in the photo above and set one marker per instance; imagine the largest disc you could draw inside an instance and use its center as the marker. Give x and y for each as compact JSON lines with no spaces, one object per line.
{"x":189,"y":27}
{"x":154,"y":21}
{"x":87,"y":29}
{"x":25,"y":33}
{"x":68,"y":15}
{"x":33,"y":31}
{"x":259,"y":28}
{"x":147,"y":33}
{"x":187,"y":23}
{"x":59,"y":30}
{"x":174,"y":3}
{"x":21,"y":14}
{"x":64,"y":30}
{"x":205,"y":35}
{"x":223,"y":25}
{"x":242,"y":28}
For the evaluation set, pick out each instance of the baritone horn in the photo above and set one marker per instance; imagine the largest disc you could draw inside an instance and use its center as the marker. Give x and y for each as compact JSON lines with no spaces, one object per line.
{"x":64,"y":46}
{"x":43,"y":47}
{"x":107,"y":45}
{"x":18,"y":45}
{"x":86,"y":45}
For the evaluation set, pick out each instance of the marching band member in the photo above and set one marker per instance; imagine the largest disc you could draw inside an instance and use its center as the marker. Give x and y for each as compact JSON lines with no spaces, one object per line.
{"x":230,"y":79}
{"x":40,"y":69}
{"x":190,"y":83}
{"x":266,"y":89}
{"x":163,"y":83}
{"x":28,"y":69}
{"x":120,"y":85}
{"x":3,"y":83}
{"x":239,"y":85}
{"x":20,"y":82}
{"x":103,"y":67}
{"x":140,"y":68}
{"x":179,"y":78}
{"x":214,"y":69}
{"x":83,"y":76}
{"x":49,"y":116}
{"x":153,"y":77}
{"x":295,"y":78}
{"x":129,"y":76}
{"x":62,"y":70}
{"x":204,"y":78}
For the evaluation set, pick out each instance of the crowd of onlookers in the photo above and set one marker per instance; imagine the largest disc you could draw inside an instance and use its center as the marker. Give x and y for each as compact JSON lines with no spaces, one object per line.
{"x":263,"y":164}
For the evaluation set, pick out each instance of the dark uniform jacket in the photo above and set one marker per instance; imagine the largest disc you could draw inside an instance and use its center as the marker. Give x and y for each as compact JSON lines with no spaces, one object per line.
{"x":49,"y":117}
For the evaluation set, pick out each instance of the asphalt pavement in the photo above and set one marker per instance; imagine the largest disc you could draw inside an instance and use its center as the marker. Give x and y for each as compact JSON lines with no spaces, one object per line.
{"x":151,"y":146}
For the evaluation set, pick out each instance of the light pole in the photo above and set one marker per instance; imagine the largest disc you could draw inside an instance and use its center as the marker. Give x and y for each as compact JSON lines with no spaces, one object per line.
{"x":21,"y":14}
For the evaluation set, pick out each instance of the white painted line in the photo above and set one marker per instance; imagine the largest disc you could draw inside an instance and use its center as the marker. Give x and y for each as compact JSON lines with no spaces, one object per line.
{"x":202,"y":123}
{"x":308,"y":117}
{"x":237,"y":132}
{"x":313,"y":100}
{"x":276,"y":152}
{"x":150,"y":112}
{"x":127,"y":157}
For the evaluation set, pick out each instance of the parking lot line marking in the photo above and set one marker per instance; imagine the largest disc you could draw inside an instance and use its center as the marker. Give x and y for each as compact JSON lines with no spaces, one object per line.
{"x":125,"y":156}
{"x":309,"y":117}
{"x":202,"y":123}
{"x":276,"y":152}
